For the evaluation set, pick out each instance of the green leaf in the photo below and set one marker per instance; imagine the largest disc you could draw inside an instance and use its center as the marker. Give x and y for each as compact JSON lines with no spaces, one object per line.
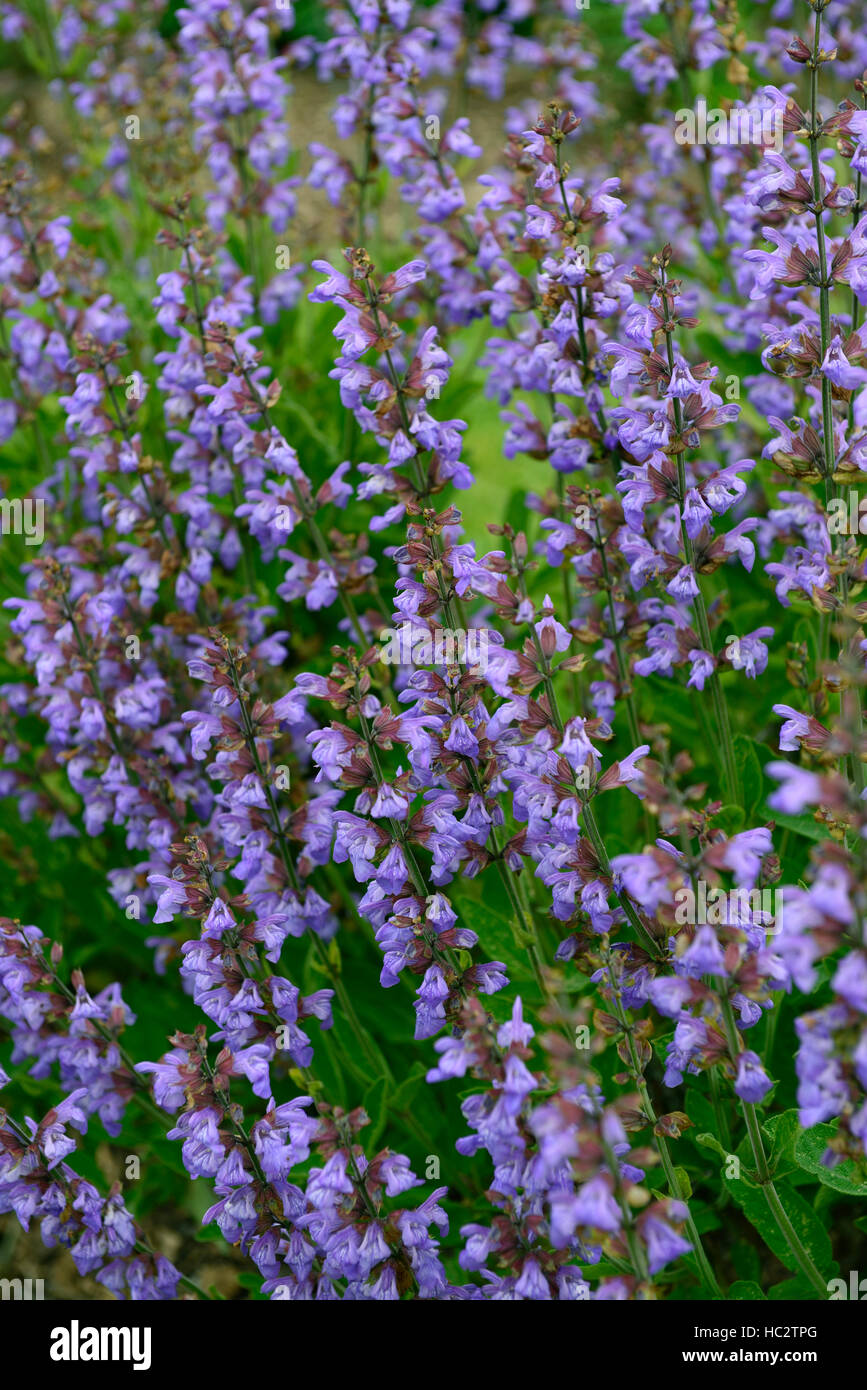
{"x":35,"y":1085}
{"x":782,"y":1132}
{"x":745,"y":1261}
{"x":799,"y":825}
{"x":809,"y":1229}
{"x":516,"y":510}
{"x":700,"y":1111}
{"x":710,"y":1141}
{"x":683,"y":1183}
{"x":499,"y":935}
{"x":603,"y":1270}
{"x":793,"y":1288}
{"x":401,"y":1102}
{"x":845,"y":1177}
{"x":376,"y":1104}
{"x":408,"y":1087}
{"x":169,"y":25}
{"x":750,"y":772}
{"x":745,"y":1291}
{"x":731,"y":818}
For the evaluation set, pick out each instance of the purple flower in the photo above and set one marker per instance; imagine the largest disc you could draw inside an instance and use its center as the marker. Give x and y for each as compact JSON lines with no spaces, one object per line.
{"x":595,"y":1206}
{"x":752,"y":1082}
{"x":663,"y":1243}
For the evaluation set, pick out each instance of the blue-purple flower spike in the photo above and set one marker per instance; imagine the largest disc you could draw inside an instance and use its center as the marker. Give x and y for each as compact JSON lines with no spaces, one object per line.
{"x":432,"y":764}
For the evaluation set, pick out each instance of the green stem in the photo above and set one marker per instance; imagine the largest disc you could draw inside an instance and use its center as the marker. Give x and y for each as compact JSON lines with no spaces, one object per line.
{"x":763,"y":1173}
{"x":850,"y":700}
{"x":731,"y":779}
{"x":368,"y":1048}
{"x":364,"y":178}
{"x":307,"y":512}
{"x":617,"y":640}
{"x":637,"y":1252}
{"x":720,"y":1115}
{"x":660,"y":1143}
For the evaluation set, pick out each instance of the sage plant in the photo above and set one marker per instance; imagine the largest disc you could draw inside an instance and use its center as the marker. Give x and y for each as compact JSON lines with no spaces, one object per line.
{"x":431,"y":703}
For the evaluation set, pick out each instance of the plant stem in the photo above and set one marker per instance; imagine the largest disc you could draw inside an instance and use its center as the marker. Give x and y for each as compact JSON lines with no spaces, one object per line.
{"x":730,"y":774}
{"x":763,"y":1173}
{"x":850,"y":699}
{"x":373,"y":1054}
{"x":308,"y":514}
{"x":617,"y":640}
{"x":659,"y":1140}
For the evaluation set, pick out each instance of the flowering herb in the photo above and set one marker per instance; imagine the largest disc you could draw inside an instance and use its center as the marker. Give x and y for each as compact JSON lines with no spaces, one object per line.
{"x":431,"y":703}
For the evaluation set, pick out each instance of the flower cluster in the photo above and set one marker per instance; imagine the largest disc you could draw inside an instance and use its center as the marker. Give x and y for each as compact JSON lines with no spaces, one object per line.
{"x":439,"y":617}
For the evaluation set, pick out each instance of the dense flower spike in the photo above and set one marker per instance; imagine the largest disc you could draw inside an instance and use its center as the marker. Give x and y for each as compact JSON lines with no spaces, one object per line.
{"x":438,"y":618}
{"x":37,"y":1184}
